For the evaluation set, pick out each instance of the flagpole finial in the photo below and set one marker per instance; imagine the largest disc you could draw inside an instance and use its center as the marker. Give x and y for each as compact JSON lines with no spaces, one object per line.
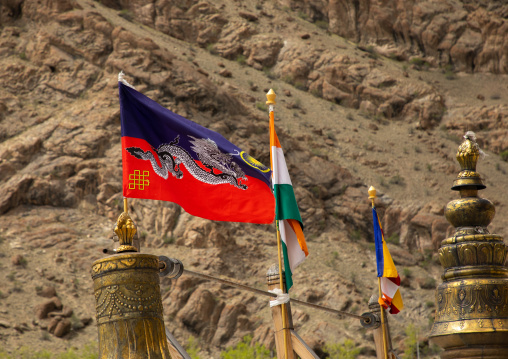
{"x":372,"y":194}
{"x":125,"y":229}
{"x":270,"y":96}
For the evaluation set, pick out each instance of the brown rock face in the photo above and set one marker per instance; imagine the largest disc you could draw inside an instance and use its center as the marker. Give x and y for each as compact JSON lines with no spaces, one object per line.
{"x":399,"y":31}
{"x":345,"y":81}
{"x":201,"y":313}
{"x":472,"y":36}
{"x":11,"y":195}
{"x":262,"y":51}
{"x":491,"y":120}
{"x":231,"y":43}
{"x":419,"y":229}
{"x":228,"y":322}
{"x":201,"y":233}
{"x":191,"y":21}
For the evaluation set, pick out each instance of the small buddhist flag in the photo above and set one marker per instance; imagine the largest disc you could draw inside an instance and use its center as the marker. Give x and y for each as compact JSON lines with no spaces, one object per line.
{"x":390,"y":297}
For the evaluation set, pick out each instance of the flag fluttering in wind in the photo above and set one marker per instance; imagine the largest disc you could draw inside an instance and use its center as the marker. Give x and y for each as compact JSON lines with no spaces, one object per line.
{"x":390,"y":298}
{"x":167,"y":157}
{"x":287,"y":214}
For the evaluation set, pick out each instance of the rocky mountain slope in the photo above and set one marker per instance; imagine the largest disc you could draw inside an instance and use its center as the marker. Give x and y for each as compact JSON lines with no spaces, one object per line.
{"x":369,"y":93}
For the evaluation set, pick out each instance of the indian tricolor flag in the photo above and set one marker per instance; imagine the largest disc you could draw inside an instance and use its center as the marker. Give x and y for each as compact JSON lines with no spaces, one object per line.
{"x":287,"y":214}
{"x":390,"y":297}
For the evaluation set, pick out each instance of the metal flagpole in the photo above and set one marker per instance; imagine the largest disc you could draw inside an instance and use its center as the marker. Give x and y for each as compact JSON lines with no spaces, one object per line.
{"x":372,"y":197}
{"x":270,"y":96}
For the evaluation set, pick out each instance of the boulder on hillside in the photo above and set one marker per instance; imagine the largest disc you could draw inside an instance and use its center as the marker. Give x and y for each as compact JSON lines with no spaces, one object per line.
{"x":232,"y":42}
{"x":201,"y":313}
{"x":13,"y":193}
{"x":228,"y":322}
{"x":43,"y":309}
{"x":262,"y":51}
{"x":197,"y":232}
{"x":63,"y":327}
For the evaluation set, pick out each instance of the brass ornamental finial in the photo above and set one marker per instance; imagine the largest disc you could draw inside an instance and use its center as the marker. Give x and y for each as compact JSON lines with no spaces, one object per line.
{"x":372,"y":195}
{"x":372,"y":192}
{"x":468,"y":155}
{"x":468,"y":152}
{"x":125,"y":229}
{"x":270,"y":96}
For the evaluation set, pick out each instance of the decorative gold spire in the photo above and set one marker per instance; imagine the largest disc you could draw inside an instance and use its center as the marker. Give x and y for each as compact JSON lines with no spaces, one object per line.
{"x":468,"y":155}
{"x":468,"y":152}
{"x":125,"y":229}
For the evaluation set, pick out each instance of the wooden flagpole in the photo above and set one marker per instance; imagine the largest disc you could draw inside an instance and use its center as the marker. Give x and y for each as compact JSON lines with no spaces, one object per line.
{"x":285,"y":328}
{"x":372,"y":197}
{"x":383,"y":324}
{"x":270,"y":97}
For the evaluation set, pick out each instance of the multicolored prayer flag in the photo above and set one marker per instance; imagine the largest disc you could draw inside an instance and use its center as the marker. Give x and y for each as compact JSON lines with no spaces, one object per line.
{"x":288,"y":217}
{"x":167,"y":157}
{"x":390,"y":279}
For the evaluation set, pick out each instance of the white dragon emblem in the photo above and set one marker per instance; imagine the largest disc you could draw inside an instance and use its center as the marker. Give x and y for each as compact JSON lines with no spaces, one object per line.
{"x":171,"y":156}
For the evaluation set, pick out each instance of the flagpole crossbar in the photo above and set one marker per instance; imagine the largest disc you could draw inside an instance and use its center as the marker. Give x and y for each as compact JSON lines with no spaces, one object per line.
{"x":365,"y":318}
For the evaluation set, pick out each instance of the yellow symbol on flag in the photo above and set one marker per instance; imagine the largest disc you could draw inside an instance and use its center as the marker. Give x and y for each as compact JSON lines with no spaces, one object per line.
{"x":251,"y":161}
{"x":139,"y":179}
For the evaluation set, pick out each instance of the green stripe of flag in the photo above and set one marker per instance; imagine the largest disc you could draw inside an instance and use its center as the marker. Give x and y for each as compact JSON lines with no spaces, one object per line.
{"x":286,"y":206}
{"x":287,"y":269}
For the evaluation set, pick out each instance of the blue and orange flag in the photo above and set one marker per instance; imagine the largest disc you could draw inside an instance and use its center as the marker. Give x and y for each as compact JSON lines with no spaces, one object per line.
{"x":390,"y":298}
{"x":167,"y":157}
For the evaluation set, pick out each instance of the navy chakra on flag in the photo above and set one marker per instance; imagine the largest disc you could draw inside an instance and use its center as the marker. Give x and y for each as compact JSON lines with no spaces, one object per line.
{"x":221,"y":165}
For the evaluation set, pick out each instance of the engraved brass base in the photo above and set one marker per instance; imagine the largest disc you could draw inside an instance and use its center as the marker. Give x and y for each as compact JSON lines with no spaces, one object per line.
{"x":472,"y":312}
{"x":480,"y":351}
{"x":472,"y":306}
{"x":472,"y":302}
{"x":129,"y":308}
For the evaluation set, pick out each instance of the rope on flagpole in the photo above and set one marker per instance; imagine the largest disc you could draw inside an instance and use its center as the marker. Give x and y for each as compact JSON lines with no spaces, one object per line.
{"x":270,"y":97}
{"x":372,"y":197}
